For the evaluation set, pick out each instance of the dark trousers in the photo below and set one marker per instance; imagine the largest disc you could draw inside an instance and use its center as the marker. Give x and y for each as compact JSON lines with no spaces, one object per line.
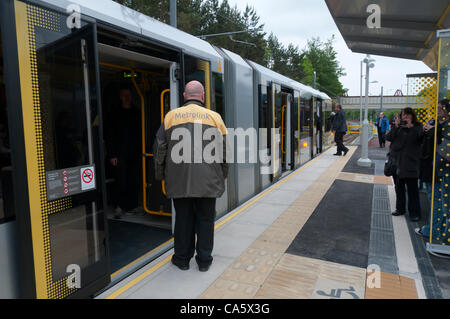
{"x":339,"y":139}
{"x":127,"y":174}
{"x":194,"y":215}
{"x":381,"y":137}
{"x":411,"y":185}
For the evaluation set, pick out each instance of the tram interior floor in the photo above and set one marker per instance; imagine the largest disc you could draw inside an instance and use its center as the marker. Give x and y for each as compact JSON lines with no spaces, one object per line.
{"x":130,"y":240}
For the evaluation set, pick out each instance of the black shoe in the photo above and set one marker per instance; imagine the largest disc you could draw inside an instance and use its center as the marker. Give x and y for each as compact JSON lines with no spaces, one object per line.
{"x":338,"y":154}
{"x":419,"y":232}
{"x":397,"y":213}
{"x":180,"y":266}
{"x":414,"y":219}
{"x":204,"y":268}
{"x":346,"y":151}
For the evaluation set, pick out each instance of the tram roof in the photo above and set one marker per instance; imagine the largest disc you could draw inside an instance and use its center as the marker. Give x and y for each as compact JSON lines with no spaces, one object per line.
{"x":270,"y":75}
{"x":408,"y":27}
{"x":113,"y":13}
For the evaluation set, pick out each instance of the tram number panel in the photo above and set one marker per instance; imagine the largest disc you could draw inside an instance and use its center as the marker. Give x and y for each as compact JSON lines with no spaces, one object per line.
{"x":70,"y":181}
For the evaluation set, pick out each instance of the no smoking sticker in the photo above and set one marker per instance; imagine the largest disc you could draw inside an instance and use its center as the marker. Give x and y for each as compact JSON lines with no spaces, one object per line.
{"x":87,"y":175}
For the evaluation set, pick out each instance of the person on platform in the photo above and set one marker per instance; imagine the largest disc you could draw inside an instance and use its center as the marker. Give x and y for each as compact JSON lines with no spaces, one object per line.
{"x":339,"y":130}
{"x":194,"y":186}
{"x":382,"y":124}
{"x":406,"y":140}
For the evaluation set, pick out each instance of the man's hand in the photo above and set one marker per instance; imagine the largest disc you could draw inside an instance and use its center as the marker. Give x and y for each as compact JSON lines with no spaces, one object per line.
{"x":427,"y":127}
{"x":114,"y":161}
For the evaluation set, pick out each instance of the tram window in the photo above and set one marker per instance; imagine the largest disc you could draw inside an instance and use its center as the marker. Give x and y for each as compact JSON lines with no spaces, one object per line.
{"x":264,"y":118}
{"x":305,"y":117}
{"x":71,"y":240}
{"x":6,"y":181}
{"x":218,"y":100}
{"x":199,"y":70}
{"x":63,"y":98}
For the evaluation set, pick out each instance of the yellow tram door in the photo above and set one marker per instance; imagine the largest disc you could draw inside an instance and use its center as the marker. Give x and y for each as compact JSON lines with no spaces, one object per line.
{"x":57,"y":58}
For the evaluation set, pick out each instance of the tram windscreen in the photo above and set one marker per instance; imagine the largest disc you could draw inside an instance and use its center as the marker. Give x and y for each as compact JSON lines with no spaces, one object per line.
{"x":6,"y":186}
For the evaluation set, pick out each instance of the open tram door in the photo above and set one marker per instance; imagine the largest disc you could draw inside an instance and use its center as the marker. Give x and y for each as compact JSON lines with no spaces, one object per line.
{"x":319,"y":125}
{"x":64,"y":248}
{"x":286,"y":131}
{"x":276,"y":131}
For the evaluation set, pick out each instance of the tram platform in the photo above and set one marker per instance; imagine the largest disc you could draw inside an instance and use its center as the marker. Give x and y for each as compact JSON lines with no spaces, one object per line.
{"x":324,"y":231}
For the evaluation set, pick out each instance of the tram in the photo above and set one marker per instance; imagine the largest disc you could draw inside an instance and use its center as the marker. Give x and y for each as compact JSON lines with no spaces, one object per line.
{"x":61,"y":66}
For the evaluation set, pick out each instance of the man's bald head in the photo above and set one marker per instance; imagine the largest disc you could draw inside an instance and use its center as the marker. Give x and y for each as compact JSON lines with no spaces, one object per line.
{"x":194,"y":91}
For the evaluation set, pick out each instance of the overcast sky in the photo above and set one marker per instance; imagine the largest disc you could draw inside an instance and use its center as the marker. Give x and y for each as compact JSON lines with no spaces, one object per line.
{"x":296,"y":21}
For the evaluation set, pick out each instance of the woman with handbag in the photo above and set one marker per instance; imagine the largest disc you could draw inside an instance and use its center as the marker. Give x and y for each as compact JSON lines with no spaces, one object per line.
{"x":406,"y":139}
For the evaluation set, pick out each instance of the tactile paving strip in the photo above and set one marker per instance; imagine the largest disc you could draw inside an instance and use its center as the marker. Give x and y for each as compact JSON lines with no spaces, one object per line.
{"x":297,"y":277}
{"x":381,"y":222}
{"x":382,"y":251}
{"x":380,"y":192}
{"x":391,"y":286}
{"x":381,"y":204}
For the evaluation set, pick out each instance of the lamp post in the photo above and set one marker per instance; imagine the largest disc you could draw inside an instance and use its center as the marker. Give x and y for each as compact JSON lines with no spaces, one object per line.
{"x":360,"y":98}
{"x":381,"y":100}
{"x":364,"y":161}
{"x":173,"y":13}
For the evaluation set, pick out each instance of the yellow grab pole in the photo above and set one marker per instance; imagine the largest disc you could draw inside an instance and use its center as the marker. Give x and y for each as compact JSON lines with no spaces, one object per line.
{"x":163,"y":183}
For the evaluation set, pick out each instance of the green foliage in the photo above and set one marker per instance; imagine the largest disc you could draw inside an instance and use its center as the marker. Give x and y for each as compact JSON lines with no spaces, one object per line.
{"x":324,"y":61}
{"x":203,"y":17}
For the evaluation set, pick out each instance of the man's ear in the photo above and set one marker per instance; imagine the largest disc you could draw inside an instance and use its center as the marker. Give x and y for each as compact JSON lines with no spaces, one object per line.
{"x":184,"y":95}
{"x":203,"y":97}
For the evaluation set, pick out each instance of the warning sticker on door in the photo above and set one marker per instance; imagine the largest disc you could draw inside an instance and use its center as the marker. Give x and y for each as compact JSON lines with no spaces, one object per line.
{"x":87,"y":178}
{"x":70,"y":181}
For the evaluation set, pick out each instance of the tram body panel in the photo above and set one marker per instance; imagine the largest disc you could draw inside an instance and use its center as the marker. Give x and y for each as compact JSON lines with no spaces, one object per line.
{"x":239,"y":78}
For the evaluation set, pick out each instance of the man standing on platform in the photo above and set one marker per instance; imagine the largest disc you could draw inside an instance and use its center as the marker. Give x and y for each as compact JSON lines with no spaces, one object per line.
{"x":382,"y":124}
{"x":194,"y":179}
{"x":339,"y":130}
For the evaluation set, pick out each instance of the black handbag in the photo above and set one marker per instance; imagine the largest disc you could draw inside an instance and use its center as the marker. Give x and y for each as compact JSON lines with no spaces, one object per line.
{"x":389,"y":166}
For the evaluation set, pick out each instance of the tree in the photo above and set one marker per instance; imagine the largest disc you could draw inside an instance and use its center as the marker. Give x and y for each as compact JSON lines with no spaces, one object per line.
{"x":308,"y":72}
{"x":324,"y":61}
{"x":203,"y":17}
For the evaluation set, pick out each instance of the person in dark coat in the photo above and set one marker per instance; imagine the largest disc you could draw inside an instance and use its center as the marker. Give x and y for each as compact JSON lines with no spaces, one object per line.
{"x":382,"y":124}
{"x":393,"y":119}
{"x":192,"y":183}
{"x":406,"y":139}
{"x":339,"y":130}
{"x":427,"y":157}
{"x":123,"y":140}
